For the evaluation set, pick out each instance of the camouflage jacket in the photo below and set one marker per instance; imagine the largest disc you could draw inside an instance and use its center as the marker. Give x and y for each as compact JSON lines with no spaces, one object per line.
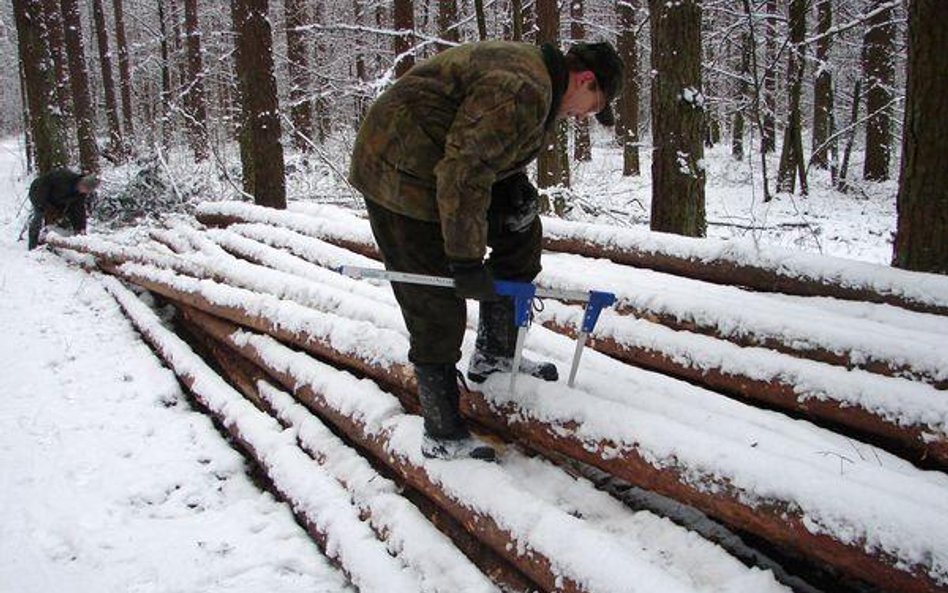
{"x":434,"y":143}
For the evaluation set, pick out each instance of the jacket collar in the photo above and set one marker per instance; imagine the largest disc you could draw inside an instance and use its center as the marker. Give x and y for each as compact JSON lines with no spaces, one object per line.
{"x":556,"y":66}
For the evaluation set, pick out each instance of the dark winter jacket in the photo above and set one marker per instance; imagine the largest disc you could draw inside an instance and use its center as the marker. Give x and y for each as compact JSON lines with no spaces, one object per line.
{"x":57,"y":190}
{"x":433,"y":145}
{"x":54,"y":196}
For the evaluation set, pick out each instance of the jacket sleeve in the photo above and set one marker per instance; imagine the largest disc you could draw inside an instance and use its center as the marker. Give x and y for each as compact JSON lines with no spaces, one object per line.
{"x":484,"y":139}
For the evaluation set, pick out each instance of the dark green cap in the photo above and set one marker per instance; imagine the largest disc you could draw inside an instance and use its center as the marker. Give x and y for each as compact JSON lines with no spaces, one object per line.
{"x":601,"y":58}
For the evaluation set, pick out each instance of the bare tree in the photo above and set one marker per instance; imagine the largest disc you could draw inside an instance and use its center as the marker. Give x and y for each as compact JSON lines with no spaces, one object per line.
{"x":769,"y":115}
{"x":879,"y":74}
{"x":405,"y":25}
{"x":743,"y":91}
{"x":448,"y":21}
{"x":46,"y":125}
{"x":301,"y":111}
{"x":321,"y":104}
{"x":553,"y":163}
{"x":196,"y":110}
{"x":823,"y":102}
{"x":54,"y":31}
{"x":166,"y":116}
{"x":258,"y":98}
{"x":582,"y":145}
{"x":516,"y":20}
{"x":791,"y":156}
{"x":116,"y":151}
{"x":921,"y":240}
{"x":677,"y":118}
{"x":125,"y":76}
{"x":627,"y":126}
{"x":79,"y":85}
{"x":481,"y":19}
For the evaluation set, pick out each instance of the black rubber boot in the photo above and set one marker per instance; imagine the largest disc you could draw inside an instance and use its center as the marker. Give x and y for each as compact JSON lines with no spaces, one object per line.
{"x":445,"y":434}
{"x":496,"y":342}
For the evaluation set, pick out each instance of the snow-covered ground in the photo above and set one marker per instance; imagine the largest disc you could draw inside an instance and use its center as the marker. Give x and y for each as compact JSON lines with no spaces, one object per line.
{"x":111,"y":482}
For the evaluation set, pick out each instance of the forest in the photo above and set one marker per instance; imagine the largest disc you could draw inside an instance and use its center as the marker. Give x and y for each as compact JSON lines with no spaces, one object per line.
{"x":280,"y":88}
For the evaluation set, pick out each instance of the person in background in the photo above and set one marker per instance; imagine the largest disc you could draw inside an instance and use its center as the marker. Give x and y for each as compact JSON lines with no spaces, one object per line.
{"x":440,"y":159}
{"x":58,"y":197}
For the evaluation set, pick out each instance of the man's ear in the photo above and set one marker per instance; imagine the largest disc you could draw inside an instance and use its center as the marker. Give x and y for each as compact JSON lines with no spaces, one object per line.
{"x":585,"y":76}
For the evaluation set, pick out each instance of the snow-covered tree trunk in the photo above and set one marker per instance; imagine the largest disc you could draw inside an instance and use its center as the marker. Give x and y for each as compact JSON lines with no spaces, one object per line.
{"x":627,"y":125}
{"x":448,"y":21}
{"x":258,"y":97}
{"x":743,"y":97}
{"x":769,"y":132}
{"x":301,"y":111}
{"x":125,"y":75}
{"x":791,"y":156}
{"x":46,"y":124}
{"x":582,"y":145}
{"x":879,"y":73}
{"x":404,"y":17}
{"x":823,"y":101}
{"x":921,"y":240}
{"x":57,"y":49}
{"x":678,"y":175}
{"x":516,"y":20}
{"x":553,"y":162}
{"x":166,"y":115}
{"x":116,"y":150}
{"x":79,"y":83}
{"x":196,"y":111}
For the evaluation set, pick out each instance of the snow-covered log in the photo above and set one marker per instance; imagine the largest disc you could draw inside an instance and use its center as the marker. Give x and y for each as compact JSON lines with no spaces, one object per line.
{"x":736,"y":315}
{"x":907,"y":417}
{"x":393,"y":518}
{"x":728,"y":262}
{"x":551,"y":420}
{"x":905,"y":343}
{"x":354,"y":237}
{"x":761,"y":268}
{"x":553,"y":547}
{"x":320,"y":504}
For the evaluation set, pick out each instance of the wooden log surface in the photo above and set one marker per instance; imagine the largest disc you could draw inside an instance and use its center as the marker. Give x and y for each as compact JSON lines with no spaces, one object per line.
{"x":775,"y":520}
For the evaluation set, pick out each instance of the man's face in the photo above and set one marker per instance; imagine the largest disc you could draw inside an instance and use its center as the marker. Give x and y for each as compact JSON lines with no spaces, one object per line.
{"x":583,"y":97}
{"x":82,"y":188}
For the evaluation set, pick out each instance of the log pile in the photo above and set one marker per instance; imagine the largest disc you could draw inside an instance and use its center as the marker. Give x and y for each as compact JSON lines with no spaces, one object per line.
{"x":295,"y":345}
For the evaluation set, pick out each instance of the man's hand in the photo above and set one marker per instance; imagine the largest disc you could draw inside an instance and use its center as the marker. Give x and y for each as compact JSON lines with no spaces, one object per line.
{"x":472,"y":280}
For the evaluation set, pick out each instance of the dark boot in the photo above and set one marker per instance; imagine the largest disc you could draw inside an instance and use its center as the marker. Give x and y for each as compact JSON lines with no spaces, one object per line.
{"x":496,"y":342}
{"x":445,"y":434}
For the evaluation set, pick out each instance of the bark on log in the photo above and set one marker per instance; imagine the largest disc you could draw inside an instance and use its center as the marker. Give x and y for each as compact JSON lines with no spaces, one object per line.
{"x":244,"y":374}
{"x":483,"y":527}
{"x":916,"y":442}
{"x":494,"y":566}
{"x":775,"y":520}
{"x":225,"y":220}
{"x":718,"y":271}
{"x":722,"y":271}
{"x":844,"y":357}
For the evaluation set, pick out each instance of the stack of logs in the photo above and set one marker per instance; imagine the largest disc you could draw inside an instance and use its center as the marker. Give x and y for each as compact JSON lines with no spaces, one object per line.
{"x":213,"y":325}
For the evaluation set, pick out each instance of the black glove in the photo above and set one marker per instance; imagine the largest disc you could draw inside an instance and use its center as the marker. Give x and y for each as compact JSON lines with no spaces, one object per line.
{"x":472,"y":280}
{"x":514,"y":203}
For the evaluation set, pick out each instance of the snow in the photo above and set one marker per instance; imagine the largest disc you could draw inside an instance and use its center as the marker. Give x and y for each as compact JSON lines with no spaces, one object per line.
{"x":110,"y":477}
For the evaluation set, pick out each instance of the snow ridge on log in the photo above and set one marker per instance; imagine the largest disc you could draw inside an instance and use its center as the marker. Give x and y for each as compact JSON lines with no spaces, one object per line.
{"x":746,"y":263}
{"x":325,"y":505}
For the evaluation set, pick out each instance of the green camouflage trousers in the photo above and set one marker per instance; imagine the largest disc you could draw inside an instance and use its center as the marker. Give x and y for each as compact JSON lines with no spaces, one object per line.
{"x":435,"y":317}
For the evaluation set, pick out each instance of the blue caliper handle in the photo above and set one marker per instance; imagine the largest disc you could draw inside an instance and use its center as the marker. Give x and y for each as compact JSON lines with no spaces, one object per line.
{"x":598,"y":301}
{"x":522,"y":293}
